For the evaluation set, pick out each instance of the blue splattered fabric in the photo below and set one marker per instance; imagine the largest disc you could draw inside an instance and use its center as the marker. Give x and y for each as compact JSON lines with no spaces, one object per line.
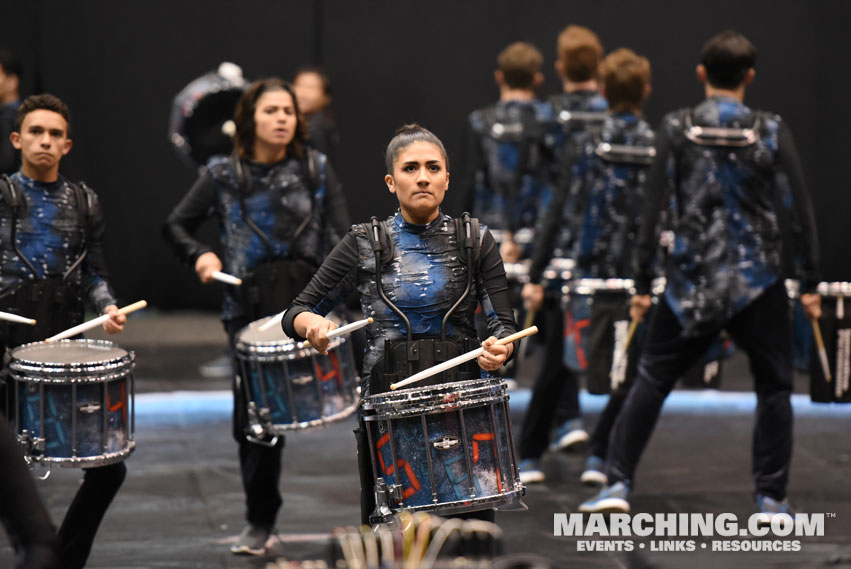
{"x":424,"y":279}
{"x":50,"y":232}
{"x":728,"y":245}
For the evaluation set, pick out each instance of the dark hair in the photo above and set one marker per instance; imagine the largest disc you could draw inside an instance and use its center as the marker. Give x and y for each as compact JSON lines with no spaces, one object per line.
{"x":47,"y":102}
{"x":727,"y":58}
{"x":11,"y":65}
{"x":579,"y":50}
{"x":519,"y":63}
{"x":316,"y":70}
{"x":243,"y":117}
{"x":625,"y":75}
{"x":406,"y":136}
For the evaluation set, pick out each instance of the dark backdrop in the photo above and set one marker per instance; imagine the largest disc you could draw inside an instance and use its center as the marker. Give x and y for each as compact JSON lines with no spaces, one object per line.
{"x":119,"y":64}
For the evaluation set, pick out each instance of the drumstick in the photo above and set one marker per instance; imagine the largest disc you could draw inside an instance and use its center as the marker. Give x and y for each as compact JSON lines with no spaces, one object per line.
{"x":473,"y":354}
{"x":276,"y":319}
{"x":226,"y":278}
{"x":622,"y":353}
{"x":9,"y":317}
{"x":347,"y":329}
{"x":822,"y":352}
{"x":95,"y":322}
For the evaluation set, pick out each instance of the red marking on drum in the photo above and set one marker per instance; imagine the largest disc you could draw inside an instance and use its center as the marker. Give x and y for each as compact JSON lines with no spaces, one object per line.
{"x":574,"y":328}
{"x":400,"y":463}
{"x":335,"y":370}
{"x":485,"y":437}
{"x":120,"y":405}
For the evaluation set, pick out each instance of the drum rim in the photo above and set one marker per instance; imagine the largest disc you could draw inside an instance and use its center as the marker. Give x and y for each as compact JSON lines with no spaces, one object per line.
{"x":470,"y":504}
{"x":104,"y":459}
{"x":18,"y":362}
{"x":346,"y":412}
{"x":289,"y":348}
{"x":400,"y":403}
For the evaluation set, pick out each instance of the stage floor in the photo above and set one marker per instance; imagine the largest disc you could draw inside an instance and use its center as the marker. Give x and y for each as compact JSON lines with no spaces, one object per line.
{"x":182,"y":503}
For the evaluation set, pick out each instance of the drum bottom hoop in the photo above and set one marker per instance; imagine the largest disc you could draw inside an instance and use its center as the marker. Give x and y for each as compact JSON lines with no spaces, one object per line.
{"x":284,"y":428}
{"x":88,"y":461}
{"x":463,"y":506}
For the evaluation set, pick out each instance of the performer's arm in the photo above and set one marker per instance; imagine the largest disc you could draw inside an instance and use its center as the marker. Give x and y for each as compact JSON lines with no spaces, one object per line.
{"x":333,"y":281}
{"x":337,"y":222}
{"x":493,"y":292}
{"x":655,"y":192}
{"x":805,"y":238}
{"x":96,"y":284}
{"x":195,"y":207}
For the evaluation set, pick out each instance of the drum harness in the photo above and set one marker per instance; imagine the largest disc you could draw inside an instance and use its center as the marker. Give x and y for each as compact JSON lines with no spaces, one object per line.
{"x":403,"y":358}
{"x":42,"y":298}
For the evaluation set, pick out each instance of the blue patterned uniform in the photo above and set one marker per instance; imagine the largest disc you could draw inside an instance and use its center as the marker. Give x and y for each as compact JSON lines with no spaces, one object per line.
{"x":279,"y":201}
{"x":511,"y":143}
{"x":727,"y":248}
{"x":50,"y":233}
{"x":424,"y":279}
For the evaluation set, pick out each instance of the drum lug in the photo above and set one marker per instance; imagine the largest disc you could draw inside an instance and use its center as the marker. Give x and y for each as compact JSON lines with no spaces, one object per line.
{"x":259,"y":423}
{"x":383,"y":494}
{"x":32,"y":448}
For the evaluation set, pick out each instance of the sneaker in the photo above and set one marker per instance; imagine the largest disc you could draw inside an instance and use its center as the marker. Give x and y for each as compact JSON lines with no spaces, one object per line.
{"x":595,"y":472}
{"x":610,"y":500}
{"x":252,"y":541}
{"x":530,"y":471}
{"x":769,"y":508}
{"x":569,"y":435}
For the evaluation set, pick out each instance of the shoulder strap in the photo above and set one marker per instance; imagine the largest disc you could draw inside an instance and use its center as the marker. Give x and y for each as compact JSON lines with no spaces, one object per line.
{"x":11,"y":194}
{"x":471,"y":242}
{"x":379,"y":239}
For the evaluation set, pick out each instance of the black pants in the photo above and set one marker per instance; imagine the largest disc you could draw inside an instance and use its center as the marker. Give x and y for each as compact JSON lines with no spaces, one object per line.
{"x":21,"y":510}
{"x":555,"y":394}
{"x":260,"y":465}
{"x":99,"y":487}
{"x":763,"y":331}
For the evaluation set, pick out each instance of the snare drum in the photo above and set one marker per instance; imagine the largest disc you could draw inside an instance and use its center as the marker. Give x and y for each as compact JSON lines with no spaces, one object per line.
{"x":445,"y":448}
{"x":835,"y":325}
{"x":73,"y":402}
{"x":292,"y":387}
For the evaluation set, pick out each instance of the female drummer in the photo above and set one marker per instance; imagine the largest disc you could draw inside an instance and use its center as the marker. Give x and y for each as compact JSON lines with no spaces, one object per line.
{"x":412,"y":274}
{"x":280,"y":209}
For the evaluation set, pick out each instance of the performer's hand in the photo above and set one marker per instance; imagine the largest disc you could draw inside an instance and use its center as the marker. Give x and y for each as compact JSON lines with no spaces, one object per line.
{"x":206,"y":265}
{"x":315,"y":328}
{"x":116,"y":321}
{"x":509,"y":250}
{"x":494,"y":355}
{"x":812,"y":305}
{"x":639,"y":304}
{"x":533,"y":297}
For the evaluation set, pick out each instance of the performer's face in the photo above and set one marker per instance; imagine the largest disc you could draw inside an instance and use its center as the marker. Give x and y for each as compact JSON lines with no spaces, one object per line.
{"x":419,"y":180}
{"x":275,"y":119}
{"x":43,"y":140}
{"x":310,"y":93}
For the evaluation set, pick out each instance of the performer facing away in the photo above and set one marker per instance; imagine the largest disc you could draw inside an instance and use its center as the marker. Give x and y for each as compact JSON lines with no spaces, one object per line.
{"x":280,"y":209}
{"x":51,"y":261}
{"x":578,"y":109}
{"x":721,"y":160}
{"x":418,"y":289}
{"x":618,"y":155}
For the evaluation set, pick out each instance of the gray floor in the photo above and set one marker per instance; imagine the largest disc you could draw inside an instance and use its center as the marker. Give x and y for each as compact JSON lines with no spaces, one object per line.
{"x":182,"y":502}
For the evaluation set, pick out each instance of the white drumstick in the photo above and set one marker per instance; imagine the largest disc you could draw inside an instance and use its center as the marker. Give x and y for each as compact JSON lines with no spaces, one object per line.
{"x":9,"y":317}
{"x":458,"y":360}
{"x":347,"y":329}
{"x":276,"y":319}
{"x":226,"y":278}
{"x":95,"y":322}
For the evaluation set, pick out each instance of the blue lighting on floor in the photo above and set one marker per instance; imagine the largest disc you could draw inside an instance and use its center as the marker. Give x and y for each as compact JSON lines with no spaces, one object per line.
{"x":193,"y":407}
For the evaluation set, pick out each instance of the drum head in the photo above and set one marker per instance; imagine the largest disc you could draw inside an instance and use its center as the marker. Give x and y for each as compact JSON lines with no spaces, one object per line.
{"x":69,"y":352}
{"x":252,"y":334}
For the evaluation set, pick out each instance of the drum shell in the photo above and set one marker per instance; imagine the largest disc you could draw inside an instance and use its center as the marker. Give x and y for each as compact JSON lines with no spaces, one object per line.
{"x":449,"y":447}
{"x":301,"y":388}
{"x":78,"y":414}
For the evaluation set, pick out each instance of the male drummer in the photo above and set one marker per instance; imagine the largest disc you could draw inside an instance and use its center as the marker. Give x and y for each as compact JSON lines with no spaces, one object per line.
{"x":555,"y":396}
{"x":618,"y":155}
{"x":507,"y":182}
{"x":51,"y":259}
{"x":724,"y":270}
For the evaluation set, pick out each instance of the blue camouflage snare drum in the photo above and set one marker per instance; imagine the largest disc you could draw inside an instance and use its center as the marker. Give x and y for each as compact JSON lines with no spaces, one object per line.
{"x":444,"y":448}
{"x":72,"y":402}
